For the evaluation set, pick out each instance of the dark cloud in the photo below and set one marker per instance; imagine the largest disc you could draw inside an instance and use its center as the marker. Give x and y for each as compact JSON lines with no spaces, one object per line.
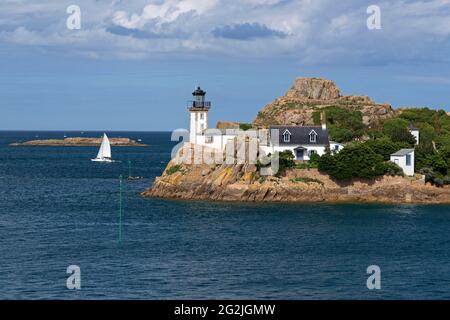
{"x":247,"y":31}
{"x":135,"y":33}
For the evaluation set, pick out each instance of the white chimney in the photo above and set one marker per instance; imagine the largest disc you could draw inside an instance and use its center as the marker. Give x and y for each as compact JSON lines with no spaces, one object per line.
{"x":323,"y":120}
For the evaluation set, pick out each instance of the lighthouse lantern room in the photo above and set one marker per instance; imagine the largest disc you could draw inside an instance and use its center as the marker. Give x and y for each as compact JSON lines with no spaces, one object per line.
{"x":198,"y":111}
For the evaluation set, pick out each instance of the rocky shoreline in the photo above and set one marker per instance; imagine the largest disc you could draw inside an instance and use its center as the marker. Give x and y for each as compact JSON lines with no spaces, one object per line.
{"x":79,"y":142}
{"x":243,"y":183}
{"x":236,"y":183}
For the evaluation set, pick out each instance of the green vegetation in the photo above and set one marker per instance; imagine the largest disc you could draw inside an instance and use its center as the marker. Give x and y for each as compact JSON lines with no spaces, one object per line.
{"x":397,"y":131}
{"x":317,"y":117}
{"x":385,"y":147}
{"x":343,"y":125}
{"x":245,"y":126}
{"x":173,"y":169}
{"x":307,"y":180}
{"x":433,"y":152}
{"x":370,"y":158}
{"x":392,"y":169}
{"x":354,"y":161}
{"x":291,"y":105}
{"x":434,"y":178}
{"x":286,"y":161}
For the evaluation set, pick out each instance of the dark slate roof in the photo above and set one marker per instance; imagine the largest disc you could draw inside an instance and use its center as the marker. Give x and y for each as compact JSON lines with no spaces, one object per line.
{"x":402,"y":152}
{"x":300,"y":135}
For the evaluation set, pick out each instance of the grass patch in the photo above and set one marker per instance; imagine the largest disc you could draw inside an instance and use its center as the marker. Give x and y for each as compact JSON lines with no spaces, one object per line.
{"x":173,"y":169}
{"x":307,"y":180}
{"x":306,"y":165}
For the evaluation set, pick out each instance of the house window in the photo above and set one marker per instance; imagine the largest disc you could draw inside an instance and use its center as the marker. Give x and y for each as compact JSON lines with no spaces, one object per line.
{"x":408,"y":159}
{"x":286,"y":136}
{"x":202,"y":116}
{"x":202,"y":126}
{"x":311,"y":152}
{"x":209,"y":139}
{"x":312,"y":136}
{"x":336,"y":147}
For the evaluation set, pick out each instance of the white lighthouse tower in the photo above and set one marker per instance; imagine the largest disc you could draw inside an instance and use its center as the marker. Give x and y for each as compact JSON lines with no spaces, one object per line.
{"x":198,"y":114}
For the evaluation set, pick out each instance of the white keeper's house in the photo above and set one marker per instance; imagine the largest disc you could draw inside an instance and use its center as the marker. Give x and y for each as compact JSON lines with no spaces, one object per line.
{"x":303,"y":141}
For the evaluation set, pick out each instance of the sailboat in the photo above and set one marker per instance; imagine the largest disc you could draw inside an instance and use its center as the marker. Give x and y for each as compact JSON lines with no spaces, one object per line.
{"x":104,"y":154}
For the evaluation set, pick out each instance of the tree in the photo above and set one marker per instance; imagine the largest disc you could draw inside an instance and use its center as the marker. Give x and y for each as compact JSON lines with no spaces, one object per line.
{"x":327,"y":163}
{"x":385,"y":147}
{"x":354,"y":161}
{"x":397,"y":130}
{"x":286,"y":160}
{"x":344,"y":125}
{"x":314,"y":160}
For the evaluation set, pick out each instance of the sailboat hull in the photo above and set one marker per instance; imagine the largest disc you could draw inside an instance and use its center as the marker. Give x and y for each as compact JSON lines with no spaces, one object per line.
{"x":102,"y":160}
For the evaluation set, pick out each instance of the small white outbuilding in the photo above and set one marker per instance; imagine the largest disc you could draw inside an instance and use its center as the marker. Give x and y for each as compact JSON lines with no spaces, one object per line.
{"x":404,"y":158}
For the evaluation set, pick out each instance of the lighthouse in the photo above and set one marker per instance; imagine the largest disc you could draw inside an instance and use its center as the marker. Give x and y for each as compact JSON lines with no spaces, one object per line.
{"x":198,"y":114}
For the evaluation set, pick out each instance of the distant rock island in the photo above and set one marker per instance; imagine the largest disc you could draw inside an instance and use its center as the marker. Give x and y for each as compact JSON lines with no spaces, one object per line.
{"x":80,"y":142}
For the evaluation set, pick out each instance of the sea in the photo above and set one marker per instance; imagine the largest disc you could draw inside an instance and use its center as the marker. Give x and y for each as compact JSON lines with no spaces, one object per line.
{"x":58,"y":209}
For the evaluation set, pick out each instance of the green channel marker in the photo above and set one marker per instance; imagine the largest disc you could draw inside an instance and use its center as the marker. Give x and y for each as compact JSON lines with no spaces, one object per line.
{"x":120,"y":209}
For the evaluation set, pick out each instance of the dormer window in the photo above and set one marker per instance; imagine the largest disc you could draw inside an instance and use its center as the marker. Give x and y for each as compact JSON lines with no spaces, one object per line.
{"x":286,"y":136}
{"x":312,"y":136}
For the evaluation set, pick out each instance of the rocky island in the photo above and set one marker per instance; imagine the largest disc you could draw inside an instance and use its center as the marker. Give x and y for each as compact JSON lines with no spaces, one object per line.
{"x":244,"y":183}
{"x":80,"y":142}
{"x":370,"y":133}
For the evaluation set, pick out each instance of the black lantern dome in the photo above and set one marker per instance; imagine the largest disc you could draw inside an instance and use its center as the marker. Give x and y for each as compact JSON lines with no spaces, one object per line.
{"x":199,"y":103}
{"x":199,"y":92}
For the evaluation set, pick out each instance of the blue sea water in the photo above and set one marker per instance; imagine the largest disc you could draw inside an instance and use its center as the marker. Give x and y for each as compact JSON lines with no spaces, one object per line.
{"x":60,"y":209}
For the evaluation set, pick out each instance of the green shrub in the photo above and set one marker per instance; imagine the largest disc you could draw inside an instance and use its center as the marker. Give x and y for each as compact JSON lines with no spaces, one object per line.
{"x":354,"y":161}
{"x":245,"y":126}
{"x":314,"y":160}
{"x":447,"y":180}
{"x":327,"y":163}
{"x":344,"y":125}
{"x":385,"y":147}
{"x":397,"y":130}
{"x":173,"y":169}
{"x":435,"y":178}
{"x":317,"y":117}
{"x":286,"y":161}
{"x":392,"y":169}
{"x":438,"y":182}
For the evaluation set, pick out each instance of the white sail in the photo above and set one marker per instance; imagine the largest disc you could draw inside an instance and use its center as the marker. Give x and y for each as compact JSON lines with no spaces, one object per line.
{"x":104,"y":153}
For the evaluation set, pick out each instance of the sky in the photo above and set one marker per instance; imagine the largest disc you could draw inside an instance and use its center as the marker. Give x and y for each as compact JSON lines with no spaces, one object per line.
{"x":133,"y":64}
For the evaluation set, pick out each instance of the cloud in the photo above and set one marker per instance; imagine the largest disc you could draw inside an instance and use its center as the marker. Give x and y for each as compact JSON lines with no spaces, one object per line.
{"x":135,"y":33}
{"x":247,"y":31}
{"x":166,"y":12}
{"x":308,"y":31}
